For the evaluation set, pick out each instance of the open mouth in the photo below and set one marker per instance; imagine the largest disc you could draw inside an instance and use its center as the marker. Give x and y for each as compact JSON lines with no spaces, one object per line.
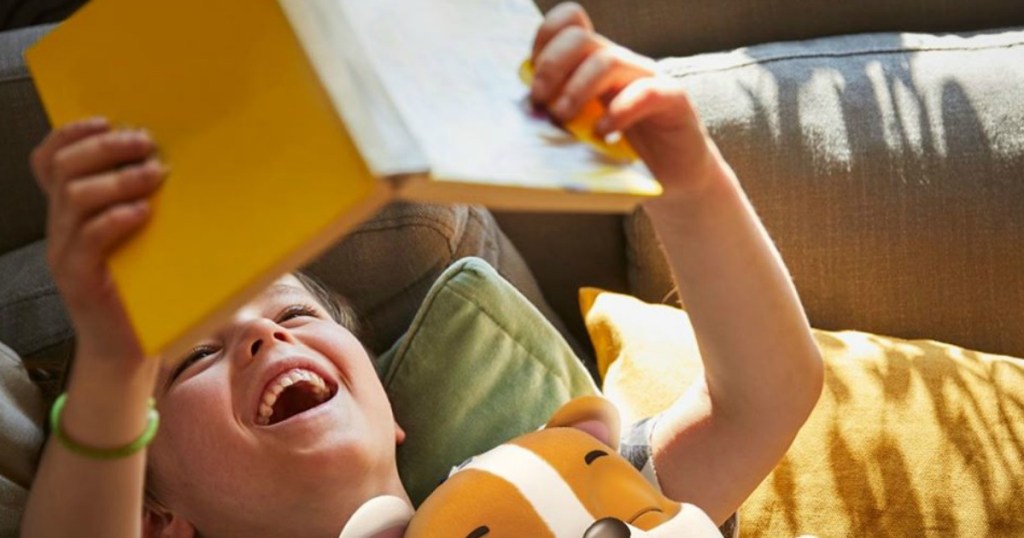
{"x":292,"y":393}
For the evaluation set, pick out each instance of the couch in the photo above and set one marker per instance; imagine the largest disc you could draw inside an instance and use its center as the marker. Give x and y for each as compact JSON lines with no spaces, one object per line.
{"x":881,"y":143}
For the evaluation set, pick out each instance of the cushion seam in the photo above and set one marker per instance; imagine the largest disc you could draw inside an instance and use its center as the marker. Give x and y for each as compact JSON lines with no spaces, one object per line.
{"x":15,"y":78}
{"x":36,"y":294}
{"x":437,"y":225}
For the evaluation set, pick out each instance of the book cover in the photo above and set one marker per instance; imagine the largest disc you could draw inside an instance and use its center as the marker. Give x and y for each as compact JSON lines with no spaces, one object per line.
{"x":287,"y":123}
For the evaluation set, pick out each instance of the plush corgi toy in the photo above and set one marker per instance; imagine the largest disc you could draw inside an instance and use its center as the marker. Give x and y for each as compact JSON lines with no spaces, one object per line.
{"x":566,"y":480}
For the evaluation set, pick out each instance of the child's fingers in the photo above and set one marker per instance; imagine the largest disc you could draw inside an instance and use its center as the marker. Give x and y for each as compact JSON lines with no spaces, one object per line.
{"x":560,"y":17}
{"x":598,"y":75}
{"x":79,"y":261}
{"x":640,"y":99}
{"x":97,"y":154}
{"x":41,"y":159}
{"x":85,"y":197}
{"x":100,"y":234}
{"x":557,"y":61}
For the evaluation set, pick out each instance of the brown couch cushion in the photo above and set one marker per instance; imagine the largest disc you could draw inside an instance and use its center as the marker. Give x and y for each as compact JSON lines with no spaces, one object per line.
{"x":387,"y":265}
{"x":888,"y":170}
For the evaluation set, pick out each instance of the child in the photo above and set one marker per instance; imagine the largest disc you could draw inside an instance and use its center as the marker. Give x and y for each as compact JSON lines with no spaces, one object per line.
{"x":223,"y":465}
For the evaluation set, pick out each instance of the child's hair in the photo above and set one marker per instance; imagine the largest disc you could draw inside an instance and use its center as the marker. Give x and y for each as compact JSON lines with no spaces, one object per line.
{"x":336,"y":305}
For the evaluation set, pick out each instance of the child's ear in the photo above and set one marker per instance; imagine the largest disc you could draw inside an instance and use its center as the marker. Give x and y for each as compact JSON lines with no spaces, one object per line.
{"x":386,"y":516}
{"x":399,"y":434}
{"x":592,"y":414}
{"x":159,"y":523}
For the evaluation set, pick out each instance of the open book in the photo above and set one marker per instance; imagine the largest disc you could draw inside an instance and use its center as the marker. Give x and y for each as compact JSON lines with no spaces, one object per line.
{"x":285,"y":123}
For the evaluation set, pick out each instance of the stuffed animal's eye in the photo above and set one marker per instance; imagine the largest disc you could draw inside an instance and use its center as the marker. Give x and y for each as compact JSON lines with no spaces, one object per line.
{"x":593,"y":455}
{"x":478,"y":532}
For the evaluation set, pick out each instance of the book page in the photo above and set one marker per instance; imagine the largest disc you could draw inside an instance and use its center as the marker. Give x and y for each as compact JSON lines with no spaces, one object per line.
{"x":350,"y":81}
{"x":450,"y":68}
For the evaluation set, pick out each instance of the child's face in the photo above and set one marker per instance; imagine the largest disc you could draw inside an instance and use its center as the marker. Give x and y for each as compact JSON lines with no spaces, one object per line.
{"x":235,"y":449}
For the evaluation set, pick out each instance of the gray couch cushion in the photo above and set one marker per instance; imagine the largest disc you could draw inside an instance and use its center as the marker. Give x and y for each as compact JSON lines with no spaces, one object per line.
{"x":32,"y":316}
{"x":22,"y":125}
{"x":888,"y":169}
{"x":682,"y":27}
{"x":21,"y":434}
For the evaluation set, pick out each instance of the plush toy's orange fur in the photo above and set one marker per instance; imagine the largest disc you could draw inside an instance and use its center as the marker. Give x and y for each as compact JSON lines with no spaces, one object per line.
{"x":566,"y":480}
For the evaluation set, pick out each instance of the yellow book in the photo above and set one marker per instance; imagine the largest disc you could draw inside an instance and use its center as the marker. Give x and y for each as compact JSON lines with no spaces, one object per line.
{"x":287,"y":122}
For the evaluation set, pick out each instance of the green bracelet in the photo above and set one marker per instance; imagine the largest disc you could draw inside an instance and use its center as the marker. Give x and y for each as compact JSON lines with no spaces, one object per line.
{"x":103,"y":453}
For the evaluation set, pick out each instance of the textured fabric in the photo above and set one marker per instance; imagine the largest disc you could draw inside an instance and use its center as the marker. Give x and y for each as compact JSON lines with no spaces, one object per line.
{"x":478,"y":366}
{"x":910,"y":438}
{"x":889,"y":170}
{"x":33,"y":320}
{"x":32,"y":313}
{"x":22,"y":126}
{"x":681,"y":27}
{"x":21,"y":434}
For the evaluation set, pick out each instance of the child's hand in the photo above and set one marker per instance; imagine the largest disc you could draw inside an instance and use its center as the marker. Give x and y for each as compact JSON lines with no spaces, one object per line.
{"x":97,"y":180}
{"x":573,"y":65}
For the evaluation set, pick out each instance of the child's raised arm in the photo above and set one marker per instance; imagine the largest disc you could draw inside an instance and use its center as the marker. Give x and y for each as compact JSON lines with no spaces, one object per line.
{"x":97,"y":180}
{"x":763,"y":372}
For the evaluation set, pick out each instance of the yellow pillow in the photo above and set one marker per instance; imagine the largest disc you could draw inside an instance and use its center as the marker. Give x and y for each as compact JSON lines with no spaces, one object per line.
{"x":910,"y":438}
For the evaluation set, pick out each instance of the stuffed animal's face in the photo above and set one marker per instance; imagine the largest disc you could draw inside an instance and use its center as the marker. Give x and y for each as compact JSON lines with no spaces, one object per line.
{"x":553,"y":482}
{"x":565,"y":481}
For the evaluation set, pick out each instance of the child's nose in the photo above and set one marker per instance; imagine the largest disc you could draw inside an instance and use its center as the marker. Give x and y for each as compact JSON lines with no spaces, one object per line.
{"x":258,"y":343}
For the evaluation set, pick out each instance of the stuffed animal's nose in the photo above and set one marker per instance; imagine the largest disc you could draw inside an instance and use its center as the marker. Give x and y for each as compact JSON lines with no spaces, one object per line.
{"x":608,"y":527}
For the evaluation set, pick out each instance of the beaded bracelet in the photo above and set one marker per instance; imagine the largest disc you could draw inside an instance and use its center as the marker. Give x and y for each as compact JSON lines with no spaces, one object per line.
{"x":103,"y":453}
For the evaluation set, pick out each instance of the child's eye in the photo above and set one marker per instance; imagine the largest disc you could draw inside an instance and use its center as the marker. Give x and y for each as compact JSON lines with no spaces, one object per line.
{"x":193,"y":356}
{"x":295,"y":311}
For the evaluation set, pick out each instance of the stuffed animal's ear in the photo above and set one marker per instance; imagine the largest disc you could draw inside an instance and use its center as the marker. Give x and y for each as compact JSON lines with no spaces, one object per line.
{"x":380,"y":517}
{"x":592,"y":414}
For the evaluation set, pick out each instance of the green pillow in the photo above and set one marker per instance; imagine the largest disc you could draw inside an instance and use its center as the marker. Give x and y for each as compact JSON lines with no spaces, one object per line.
{"x":479,"y":366}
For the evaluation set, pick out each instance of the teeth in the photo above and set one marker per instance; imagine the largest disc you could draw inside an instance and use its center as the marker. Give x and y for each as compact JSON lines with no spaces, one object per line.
{"x":282,"y":382}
